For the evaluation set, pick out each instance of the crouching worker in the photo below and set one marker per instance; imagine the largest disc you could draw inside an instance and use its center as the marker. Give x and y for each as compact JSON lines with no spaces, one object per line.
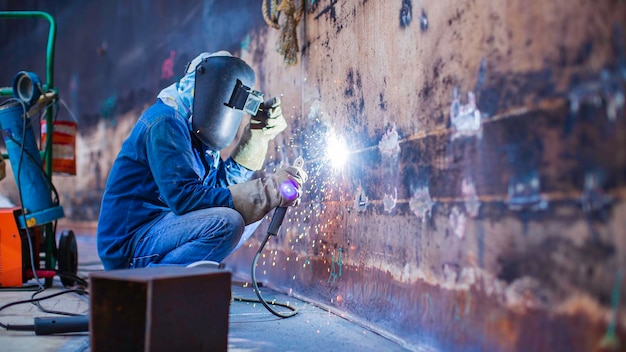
{"x":169,"y":198}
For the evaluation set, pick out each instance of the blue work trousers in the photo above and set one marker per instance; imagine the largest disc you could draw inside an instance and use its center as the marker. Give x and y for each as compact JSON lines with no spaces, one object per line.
{"x":205,"y":234}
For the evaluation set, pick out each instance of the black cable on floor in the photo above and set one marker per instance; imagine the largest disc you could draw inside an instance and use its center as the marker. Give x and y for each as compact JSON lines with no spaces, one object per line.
{"x":265,"y":303}
{"x":78,"y":279}
{"x":57,"y":312}
{"x":32,"y":300}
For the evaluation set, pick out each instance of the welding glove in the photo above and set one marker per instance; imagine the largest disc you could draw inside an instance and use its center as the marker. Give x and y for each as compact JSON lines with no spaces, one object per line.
{"x":255,"y":198}
{"x":263,"y":127}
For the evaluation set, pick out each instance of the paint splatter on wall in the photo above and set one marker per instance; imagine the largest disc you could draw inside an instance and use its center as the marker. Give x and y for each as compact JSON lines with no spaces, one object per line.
{"x":465,"y":118}
{"x":167,"y":69}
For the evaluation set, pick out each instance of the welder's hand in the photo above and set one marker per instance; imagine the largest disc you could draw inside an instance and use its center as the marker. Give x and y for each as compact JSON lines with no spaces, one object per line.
{"x":270,"y":122}
{"x":252,"y":147}
{"x":291,"y":180}
{"x":255,"y":198}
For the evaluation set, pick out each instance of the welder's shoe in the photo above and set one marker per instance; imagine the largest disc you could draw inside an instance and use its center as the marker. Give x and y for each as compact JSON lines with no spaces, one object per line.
{"x":210,"y":264}
{"x":204,"y":264}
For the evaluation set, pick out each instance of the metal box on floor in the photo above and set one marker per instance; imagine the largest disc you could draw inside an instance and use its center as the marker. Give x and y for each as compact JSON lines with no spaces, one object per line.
{"x":160,"y":309}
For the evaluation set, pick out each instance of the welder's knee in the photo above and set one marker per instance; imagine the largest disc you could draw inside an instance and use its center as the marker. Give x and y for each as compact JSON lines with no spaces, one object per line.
{"x":235,"y":223}
{"x":234,"y":220}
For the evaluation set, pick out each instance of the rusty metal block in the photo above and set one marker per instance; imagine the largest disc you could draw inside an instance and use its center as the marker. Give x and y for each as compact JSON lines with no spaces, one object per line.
{"x":160,"y":309}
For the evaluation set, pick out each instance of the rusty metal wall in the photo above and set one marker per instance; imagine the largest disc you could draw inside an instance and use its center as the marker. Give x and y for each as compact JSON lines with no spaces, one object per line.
{"x":482,"y":204}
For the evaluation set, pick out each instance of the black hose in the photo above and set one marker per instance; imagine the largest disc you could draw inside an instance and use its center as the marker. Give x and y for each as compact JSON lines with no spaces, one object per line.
{"x":277,"y":219}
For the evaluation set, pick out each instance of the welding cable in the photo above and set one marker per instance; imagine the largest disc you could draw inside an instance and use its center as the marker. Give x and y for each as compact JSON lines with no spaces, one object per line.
{"x":23,"y":288}
{"x":265,"y":303}
{"x":45,"y":310}
{"x":79,"y":280}
{"x":32,"y":300}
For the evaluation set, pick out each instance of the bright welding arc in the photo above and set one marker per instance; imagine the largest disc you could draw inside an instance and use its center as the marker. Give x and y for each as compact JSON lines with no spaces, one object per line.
{"x":336,"y":150}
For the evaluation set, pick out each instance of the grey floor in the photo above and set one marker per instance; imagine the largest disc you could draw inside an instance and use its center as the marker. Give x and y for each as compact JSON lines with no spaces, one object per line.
{"x":251,"y":326}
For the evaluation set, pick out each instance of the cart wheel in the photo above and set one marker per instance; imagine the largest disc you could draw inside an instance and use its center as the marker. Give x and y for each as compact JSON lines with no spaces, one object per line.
{"x":68,"y":257}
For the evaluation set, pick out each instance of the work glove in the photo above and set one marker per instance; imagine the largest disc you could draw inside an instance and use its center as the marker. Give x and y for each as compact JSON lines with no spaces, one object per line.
{"x":263,"y":127}
{"x":255,"y":198}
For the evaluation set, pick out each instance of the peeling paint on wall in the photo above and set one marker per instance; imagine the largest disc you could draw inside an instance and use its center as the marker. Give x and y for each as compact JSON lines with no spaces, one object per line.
{"x":465,"y":118}
{"x":389,"y":147}
{"x":421,"y":204}
{"x":457,"y":222}
{"x":389,"y":144}
{"x":524,"y":293}
{"x":390,"y":200}
{"x":472,"y":203}
{"x":315,"y":111}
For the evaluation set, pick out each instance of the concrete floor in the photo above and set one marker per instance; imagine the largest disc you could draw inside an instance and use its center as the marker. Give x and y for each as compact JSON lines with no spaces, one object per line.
{"x":251,"y":326}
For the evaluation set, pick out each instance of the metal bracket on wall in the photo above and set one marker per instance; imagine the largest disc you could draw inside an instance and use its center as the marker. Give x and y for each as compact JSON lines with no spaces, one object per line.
{"x":524,"y":192}
{"x":593,"y":198}
{"x":361,"y":201}
{"x":607,"y":92}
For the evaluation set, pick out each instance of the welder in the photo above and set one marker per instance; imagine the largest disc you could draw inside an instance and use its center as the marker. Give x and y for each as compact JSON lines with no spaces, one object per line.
{"x":170,"y":199}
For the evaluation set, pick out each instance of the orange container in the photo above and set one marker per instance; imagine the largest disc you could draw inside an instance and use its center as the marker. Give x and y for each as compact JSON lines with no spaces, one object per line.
{"x":10,"y":249}
{"x":63,"y":146}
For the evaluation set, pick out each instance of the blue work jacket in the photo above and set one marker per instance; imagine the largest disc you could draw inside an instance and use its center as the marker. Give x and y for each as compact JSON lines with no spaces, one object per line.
{"x":161,"y":168}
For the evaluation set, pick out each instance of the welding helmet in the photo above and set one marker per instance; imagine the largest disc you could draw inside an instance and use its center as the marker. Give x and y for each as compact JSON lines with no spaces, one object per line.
{"x":222,"y":94}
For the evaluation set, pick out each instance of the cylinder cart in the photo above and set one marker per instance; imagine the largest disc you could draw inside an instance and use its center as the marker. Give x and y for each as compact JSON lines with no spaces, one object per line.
{"x":28,"y":246}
